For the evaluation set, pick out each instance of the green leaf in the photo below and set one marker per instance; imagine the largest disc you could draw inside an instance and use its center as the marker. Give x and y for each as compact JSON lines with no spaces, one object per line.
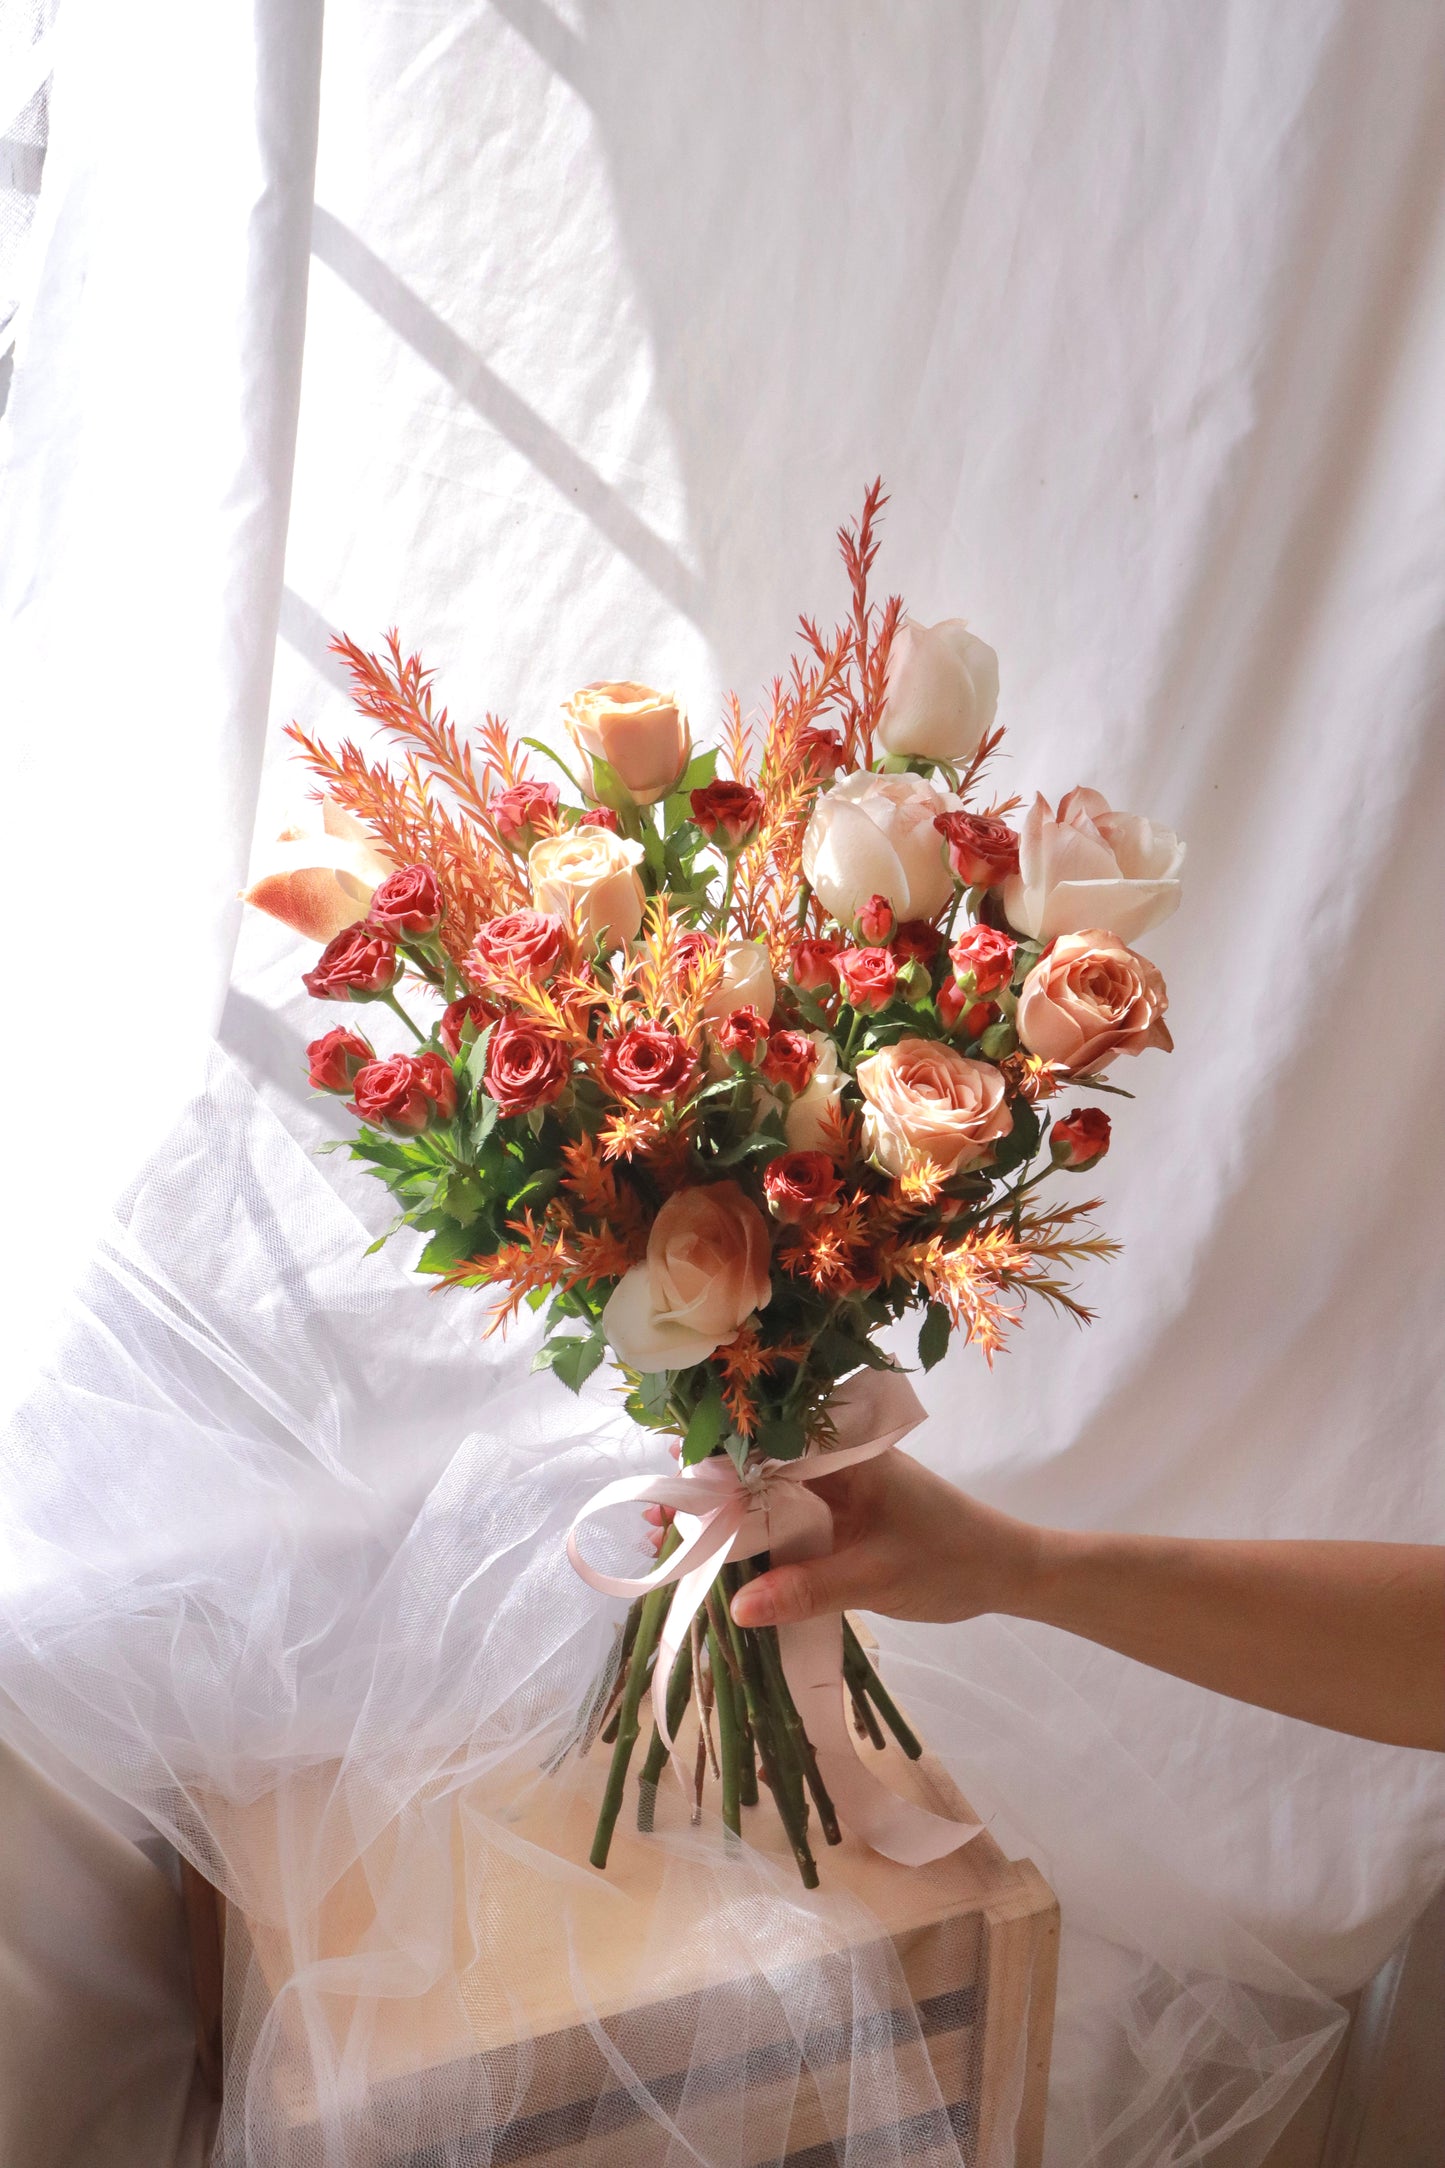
{"x":781,"y":1437}
{"x":557,"y":762}
{"x":572,"y":1358}
{"x":933,"y":1335}
{"x":542,"y":1183}
{"x":709,"y":1422}
{"x":698,"y":773}
{"x":475,"y":1068}
{"x":451,"y":1246}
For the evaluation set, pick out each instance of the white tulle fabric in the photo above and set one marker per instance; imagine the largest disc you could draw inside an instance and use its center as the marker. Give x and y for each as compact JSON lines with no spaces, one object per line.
{"x":284,"y":1566}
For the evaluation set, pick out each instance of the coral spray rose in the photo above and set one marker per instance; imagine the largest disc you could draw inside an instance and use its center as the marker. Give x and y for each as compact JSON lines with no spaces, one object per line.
{"x":928,"y":1105}
{"x":822,"y":752}
{"x":742,"y":1032}
{"x":524,"y":812}
{"x":1087,"y":866}
{"x":799,"y":1185}
{"x":467,"y":1009}
{"x":706,"y":1271}
{"x":940,"y":692}
{"x":1089,"y":999}
{"x":529,"y":943}
{"x":647,"y":1062}
{"x":963,"y":1012}
{"x":1080,"y":1139}
{"x":981,"y":850}
{"x":589,"y":876}
{"x":641,"y":735}
{"x":790,"y":1059}
{"x":336,"y":1059}
{"x":526,"y":1067}
{"x":875,"y":922}
{"x":869,"y":977}
{"x":915,"y":941}
{"x":393,"y":1095}
{"x":983,"y":959}
{"x":814,"y":966}
{"x":408,"y":906}
{"x":357,"y":966}
{"x":600,"y":816}
{"x":728,"y":813}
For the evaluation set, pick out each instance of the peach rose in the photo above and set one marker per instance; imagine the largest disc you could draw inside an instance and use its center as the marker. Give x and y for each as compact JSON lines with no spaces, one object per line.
{"x":941,"y":691}
{"x":746,"y":983}
{"x":588,"y":876}
{"x":642,"y":736}
{"x":1088,"y":866}
{"x":706,"y":1271}
{"x":320,"y":883}
{"x":927,"y":1104}
{"x":1089,"y":999}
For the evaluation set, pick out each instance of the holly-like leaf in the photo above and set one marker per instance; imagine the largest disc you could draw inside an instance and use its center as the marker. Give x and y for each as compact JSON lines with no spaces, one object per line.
{"x":571,"y":1358}
{"x":709,"y":1423}
{"x":933,"y":1335}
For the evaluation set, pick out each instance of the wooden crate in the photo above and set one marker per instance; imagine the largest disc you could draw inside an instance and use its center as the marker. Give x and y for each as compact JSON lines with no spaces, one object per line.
{"x":976,"y":1942}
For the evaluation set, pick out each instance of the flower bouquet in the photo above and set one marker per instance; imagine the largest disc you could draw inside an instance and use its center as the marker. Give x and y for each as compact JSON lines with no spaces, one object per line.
{"x":727,"y":1060}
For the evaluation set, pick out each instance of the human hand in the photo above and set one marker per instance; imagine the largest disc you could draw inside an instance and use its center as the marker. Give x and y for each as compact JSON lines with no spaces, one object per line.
{"x":905,"y":1543}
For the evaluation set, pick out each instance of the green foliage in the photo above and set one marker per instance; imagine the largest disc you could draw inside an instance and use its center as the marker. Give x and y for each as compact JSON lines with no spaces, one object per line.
{"x":933,"y":1335}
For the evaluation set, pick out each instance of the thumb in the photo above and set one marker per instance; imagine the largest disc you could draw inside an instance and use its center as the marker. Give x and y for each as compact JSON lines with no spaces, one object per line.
{"x":789,"y":1594}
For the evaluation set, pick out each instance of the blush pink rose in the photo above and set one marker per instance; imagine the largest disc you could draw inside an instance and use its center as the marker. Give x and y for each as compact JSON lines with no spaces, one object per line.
{"x":1089,"y":999}
{"x":706,"y":1271}
{"x":925,"y":1104}
{"x":1088,"y":866}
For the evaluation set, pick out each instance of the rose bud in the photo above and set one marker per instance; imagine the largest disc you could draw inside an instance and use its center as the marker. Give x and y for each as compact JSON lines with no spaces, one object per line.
{"x":470,"y":1009}
{"x":336,"y":1059}
{"x":814,"y":966}
{"x":642,"y":736}
{"x":742,"y":1032}
{"x":524,"y":812}
{"x":822,"y":750}
{"x":392,"y":1095}
{"x":526,"y":1067}
{"x":529,"y":943}
{"x":915,"y":941}
{"x":408,"y":906}
{"x":799,"y":1184}
{"x":600,"y":816}
{"x":439,"y":1084}
{"x":982,"y":851}
{"x":875,"y":922}
{"x":728,"y":813}
{"x":356,"y":966}
{"x":998,"y":1039}
{"x":960,"y":1011}
{"x":647,"y":1062}
{"x":1081,"y":1139}
{"x":691,"y":947}
{"x":869,"y":977}
{"x":791,"y":1058}
{"x":983,"y":959}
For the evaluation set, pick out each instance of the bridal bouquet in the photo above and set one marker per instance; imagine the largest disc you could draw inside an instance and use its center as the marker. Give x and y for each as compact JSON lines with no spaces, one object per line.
{"x":728,"y":1060}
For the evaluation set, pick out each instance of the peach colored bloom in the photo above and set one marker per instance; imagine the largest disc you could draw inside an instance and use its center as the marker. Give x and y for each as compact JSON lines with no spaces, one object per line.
{"x":642,"y":736}
{"x":927,"y":1104}
{"x":320,"y":883}
{"x":588,"y":877}
{"x":1088,"y":866}
{"x":1089,"y":999}
{"x":706,"y":1271}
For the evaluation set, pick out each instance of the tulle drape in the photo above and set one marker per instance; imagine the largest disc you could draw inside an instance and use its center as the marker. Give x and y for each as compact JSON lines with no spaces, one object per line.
{"x":283,"y":1567}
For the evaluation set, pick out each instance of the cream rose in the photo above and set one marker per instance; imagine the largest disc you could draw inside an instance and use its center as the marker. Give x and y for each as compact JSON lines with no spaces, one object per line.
{"x":873,"y":835}
{"x":706,"y":1271}
{"x":642,"y":736}
{"x":320,"y":882}
{"x":941,"y":692}
{"x":1087,"y":865}
{"x":588,"y":876}
{"x":1089,"y":999}
{"x":746,"y":983}
{"x":925,"y":1103}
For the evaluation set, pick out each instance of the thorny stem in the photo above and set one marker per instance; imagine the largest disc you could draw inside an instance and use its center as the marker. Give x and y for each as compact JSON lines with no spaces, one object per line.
{"x":860,"y":1672}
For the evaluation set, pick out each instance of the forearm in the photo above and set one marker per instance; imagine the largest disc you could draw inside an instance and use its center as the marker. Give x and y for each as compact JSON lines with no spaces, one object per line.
{"x":1348,"y":1635}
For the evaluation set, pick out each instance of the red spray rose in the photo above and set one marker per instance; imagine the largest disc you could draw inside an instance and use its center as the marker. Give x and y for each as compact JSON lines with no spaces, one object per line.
{"x":981,"y":850}
{"x":356,"y":966}
{"x":742,"y":1031}
{"x":692,"y":946}
{"x":798,"y":1184}
{"x":470,"y":1009}
{"x":875,"y":921}
{"x":1080,"y":1139}
{"x":600,"y":816}
{"x":870,"y":978}
{"x":527,"y":942}
{"x":727,"y":813}
{"x":960,"y":1011}
{"x":791,"y":1058}
{"x":408,"y":906}
{"x":336,"y":1058}
{"x":915,"y":941}
{"x":814,"y":966}
{"x":392,"y":1095}
{"x":823,"y":752}
{"x":524,"y":811}
{"x":983,"y":959}
{"x":438,"y":1083}
{"x":526,"y":1067}
{"x":647,"y":1062}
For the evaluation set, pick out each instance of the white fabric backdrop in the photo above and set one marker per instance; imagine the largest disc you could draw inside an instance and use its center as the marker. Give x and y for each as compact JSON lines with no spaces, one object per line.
{"x":1141,"y":312}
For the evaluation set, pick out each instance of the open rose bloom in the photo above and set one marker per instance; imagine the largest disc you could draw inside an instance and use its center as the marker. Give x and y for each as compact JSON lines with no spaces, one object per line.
{"x":727,"y":1073}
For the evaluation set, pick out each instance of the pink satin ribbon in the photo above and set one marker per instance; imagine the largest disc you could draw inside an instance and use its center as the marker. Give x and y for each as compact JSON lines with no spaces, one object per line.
{"x":722,"y":1515}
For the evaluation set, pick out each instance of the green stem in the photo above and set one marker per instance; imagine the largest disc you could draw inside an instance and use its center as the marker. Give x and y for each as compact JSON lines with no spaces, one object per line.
{"x":729,"y":1741}
{"x":858,"y":1667}
{"x":866,"y":1721}
{"x":392,"y":1003}
{"x":785,"y":1780}
{"x":679,"y":1688}
{"x":731,"y":861}
{"x":649,"y":1626}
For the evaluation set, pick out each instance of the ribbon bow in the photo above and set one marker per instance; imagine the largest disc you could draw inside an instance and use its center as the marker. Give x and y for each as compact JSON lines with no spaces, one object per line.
{"x":722,"y":1514}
